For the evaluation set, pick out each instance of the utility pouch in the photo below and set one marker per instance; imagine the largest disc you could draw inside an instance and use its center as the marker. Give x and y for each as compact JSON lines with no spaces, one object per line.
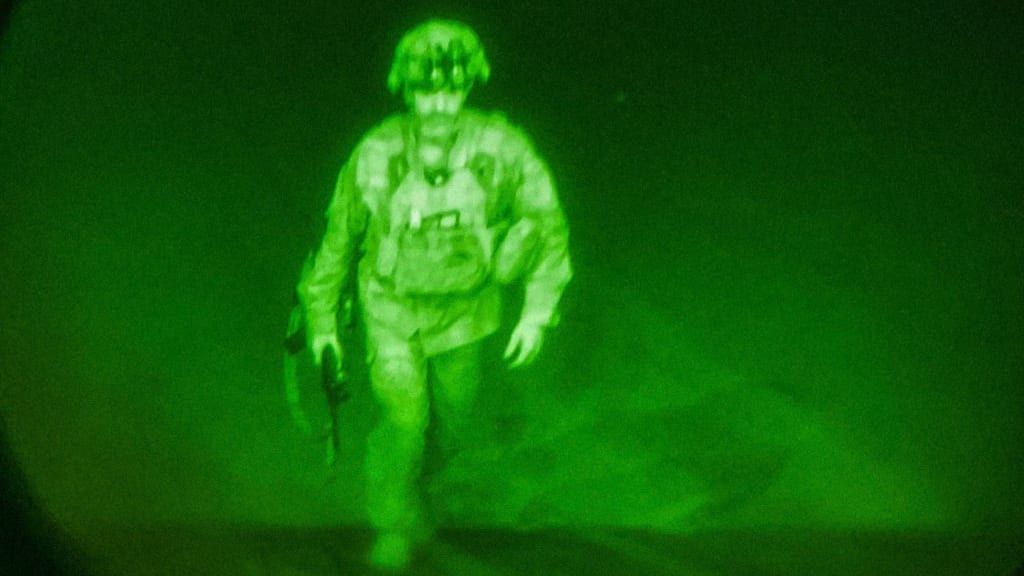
{"x":437,"y":261}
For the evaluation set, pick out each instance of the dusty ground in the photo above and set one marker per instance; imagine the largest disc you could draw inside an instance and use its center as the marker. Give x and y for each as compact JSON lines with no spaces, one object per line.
{"x":284,"y":552}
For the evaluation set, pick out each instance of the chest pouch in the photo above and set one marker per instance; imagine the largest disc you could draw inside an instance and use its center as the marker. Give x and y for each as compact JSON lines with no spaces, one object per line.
{"x":437,"y":261}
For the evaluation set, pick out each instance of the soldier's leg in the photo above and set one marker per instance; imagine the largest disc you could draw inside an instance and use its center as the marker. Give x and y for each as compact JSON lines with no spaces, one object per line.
{"x":398,"y":376}
{"x":456,"y":378}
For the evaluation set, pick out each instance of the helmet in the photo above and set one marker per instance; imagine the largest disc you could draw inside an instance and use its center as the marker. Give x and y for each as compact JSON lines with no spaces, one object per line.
{"x":438,"y":54}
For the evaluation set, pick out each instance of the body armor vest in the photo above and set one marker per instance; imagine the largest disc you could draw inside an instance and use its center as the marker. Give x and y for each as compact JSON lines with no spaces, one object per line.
{"x":439,"y":230}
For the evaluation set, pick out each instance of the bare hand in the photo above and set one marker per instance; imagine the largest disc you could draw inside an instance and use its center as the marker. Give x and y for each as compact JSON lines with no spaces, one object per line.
{"x":524,"y":344}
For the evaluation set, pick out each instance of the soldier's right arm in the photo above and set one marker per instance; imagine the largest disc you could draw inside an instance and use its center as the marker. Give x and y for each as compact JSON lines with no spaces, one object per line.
{"x":321,"y":284}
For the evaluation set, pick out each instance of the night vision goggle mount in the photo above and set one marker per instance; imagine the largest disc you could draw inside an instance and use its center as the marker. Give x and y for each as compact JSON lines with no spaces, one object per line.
{"x":441,"y":68}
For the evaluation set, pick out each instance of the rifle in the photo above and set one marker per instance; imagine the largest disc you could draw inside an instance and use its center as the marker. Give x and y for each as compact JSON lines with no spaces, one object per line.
{"x":333,"y":381}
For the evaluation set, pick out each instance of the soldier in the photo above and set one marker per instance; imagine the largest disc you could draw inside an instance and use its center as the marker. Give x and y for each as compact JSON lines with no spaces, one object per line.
{"x":441,"y":206}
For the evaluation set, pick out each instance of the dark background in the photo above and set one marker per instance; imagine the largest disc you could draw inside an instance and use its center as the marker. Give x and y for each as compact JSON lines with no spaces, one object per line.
{"x":796,"y":231}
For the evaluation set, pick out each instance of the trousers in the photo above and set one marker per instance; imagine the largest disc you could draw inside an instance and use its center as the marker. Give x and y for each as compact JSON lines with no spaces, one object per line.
{"x":406,"y":383}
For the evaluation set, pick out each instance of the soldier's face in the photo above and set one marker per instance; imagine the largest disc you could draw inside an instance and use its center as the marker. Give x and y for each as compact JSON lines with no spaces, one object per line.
{"x":437,"y":111}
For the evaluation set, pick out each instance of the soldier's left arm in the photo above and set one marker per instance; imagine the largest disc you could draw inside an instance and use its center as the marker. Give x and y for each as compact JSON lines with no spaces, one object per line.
{"x":536,"y":199}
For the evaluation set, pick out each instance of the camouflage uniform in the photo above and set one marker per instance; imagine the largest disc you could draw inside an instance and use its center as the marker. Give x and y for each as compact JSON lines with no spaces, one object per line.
{"x":431,"y":262}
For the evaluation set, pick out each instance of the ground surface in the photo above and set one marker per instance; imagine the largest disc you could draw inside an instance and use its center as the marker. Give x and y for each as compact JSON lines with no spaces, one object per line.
{"x":283,"y":552}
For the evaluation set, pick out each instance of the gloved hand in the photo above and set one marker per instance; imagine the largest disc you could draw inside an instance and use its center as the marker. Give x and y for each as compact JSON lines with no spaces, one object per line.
{"x":322,"y":341}
{"x":525,"y":343}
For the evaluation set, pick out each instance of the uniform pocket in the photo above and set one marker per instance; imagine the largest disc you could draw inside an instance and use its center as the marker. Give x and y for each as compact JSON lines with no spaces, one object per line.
{"x":517,"y":251}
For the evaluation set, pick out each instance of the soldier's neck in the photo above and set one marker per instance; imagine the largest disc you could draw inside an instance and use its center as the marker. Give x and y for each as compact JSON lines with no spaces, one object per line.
{"x":433,"y":154}
{"x":433,"y":150}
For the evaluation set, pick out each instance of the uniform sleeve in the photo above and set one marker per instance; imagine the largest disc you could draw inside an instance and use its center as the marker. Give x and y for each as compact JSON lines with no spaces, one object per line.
{"x":322,"y":281}
{"x":537,"y":200}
